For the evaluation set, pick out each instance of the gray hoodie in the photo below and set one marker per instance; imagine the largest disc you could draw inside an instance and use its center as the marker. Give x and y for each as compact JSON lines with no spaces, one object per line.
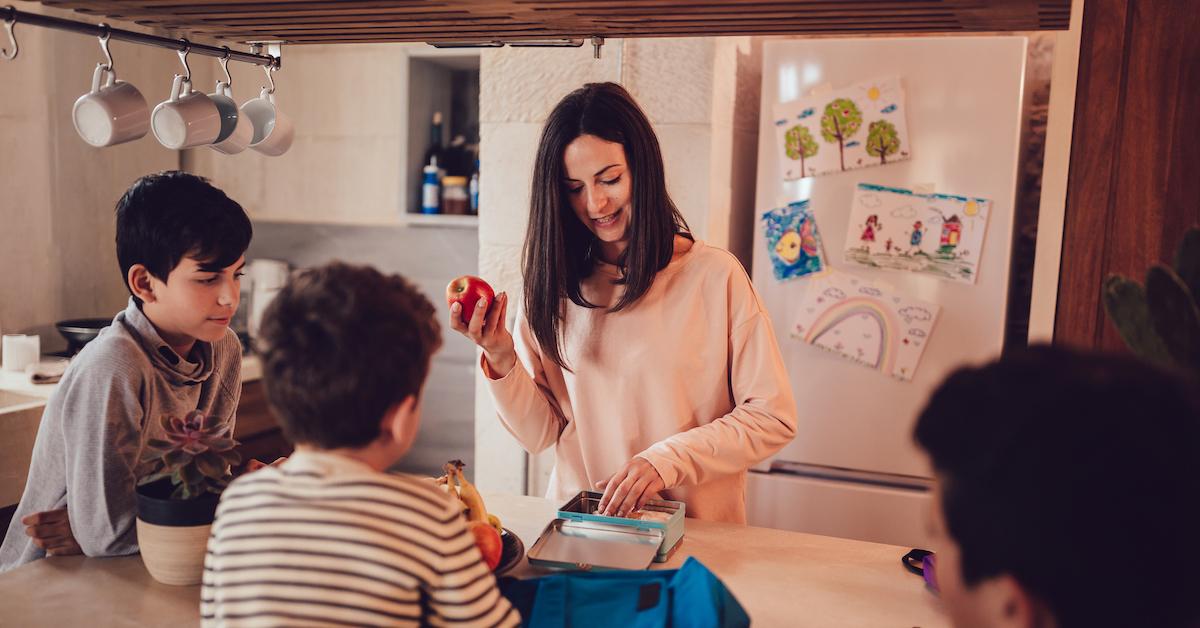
{"x":109,"y":402}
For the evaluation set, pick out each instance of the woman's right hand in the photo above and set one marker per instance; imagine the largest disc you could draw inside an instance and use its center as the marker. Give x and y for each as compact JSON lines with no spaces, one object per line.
{"x":487,"y":330}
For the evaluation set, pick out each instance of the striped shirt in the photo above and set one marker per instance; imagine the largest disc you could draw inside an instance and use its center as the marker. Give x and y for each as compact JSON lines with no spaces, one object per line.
{"x":326,"y":540}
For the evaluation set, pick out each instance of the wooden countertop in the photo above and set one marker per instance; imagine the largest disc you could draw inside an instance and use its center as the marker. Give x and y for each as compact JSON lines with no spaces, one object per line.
{"x":782,"y":579}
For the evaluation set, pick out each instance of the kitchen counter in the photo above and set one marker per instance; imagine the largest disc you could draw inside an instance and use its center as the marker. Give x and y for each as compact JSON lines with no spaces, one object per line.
{"x":782,"y":579}
{"x":20,"y":383}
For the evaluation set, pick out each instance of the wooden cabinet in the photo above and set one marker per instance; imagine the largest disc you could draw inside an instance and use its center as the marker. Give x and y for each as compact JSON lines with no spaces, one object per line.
{"x":257,"y":429}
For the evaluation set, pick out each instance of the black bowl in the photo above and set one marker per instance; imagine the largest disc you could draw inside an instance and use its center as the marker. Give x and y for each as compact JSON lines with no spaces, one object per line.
{"x":81,"y":331}
{"x":513,"y":550}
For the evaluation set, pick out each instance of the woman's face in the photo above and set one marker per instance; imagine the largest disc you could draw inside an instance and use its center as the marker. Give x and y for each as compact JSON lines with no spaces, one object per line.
{"x":599,"y":186}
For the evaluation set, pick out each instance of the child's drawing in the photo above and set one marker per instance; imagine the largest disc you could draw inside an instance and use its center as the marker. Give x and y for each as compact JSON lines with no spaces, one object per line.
{"x":933,"y":234}
{"x":793,"y":243}
{"x":872,"y":326}
{"x":855,"y":127}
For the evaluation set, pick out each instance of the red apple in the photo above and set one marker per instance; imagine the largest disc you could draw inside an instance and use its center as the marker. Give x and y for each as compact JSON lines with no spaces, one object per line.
{"x":467,"y":290}
{"x":487,"y":539}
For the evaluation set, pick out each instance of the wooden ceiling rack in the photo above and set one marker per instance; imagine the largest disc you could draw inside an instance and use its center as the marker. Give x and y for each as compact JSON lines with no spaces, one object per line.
{"x":357,"y":21}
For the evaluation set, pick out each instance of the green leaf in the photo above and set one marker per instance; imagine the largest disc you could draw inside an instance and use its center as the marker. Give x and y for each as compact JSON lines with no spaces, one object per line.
{"x":222,"y":444}
{"x":210,"y":464}
{"x":176,"y":458}
{"x":1125,"y":302}
{"x":1187,"y":262}
{"x":231,"y":457}
{"x":188,"y":474}
{"x":154,"y":477}
{"x":1175,"y":315}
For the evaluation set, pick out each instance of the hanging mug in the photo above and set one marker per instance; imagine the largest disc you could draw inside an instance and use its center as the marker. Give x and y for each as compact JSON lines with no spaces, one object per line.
{"x":273,"y":131}
{"x":187,"y":119}
{"x":236,"y":130}
{"x":113,"y":114}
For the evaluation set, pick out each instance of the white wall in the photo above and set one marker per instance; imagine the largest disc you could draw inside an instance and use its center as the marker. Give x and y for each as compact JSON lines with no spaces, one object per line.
{"x":701,"y":95}
{"x":57,"y":194}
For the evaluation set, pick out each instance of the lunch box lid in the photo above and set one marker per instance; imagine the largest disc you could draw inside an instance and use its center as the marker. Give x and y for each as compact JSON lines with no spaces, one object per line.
{"x":591,"y":545}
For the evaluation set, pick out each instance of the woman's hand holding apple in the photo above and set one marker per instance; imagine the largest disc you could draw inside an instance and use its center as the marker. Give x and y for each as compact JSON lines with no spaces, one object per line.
{"x":486,"y":329}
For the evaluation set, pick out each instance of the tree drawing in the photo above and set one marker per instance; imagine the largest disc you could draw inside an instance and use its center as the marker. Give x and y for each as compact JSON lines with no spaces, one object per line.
{"x":799,"y":144}
{"x":882,"y":140}
{"x":841,"y":121}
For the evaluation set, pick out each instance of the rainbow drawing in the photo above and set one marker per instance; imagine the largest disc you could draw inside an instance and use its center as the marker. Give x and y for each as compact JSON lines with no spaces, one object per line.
{"x":889,"y":328}
{"x":867,"y":324}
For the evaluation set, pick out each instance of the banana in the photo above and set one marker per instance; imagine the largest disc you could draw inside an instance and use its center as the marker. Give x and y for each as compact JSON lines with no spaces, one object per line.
{"x":476,"y":510}
{"x":495,"y":522}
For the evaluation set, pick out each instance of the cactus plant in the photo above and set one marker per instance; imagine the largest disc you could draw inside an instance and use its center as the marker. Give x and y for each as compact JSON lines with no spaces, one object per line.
{"x":1161,"y":321}
{"x":196,"y":453}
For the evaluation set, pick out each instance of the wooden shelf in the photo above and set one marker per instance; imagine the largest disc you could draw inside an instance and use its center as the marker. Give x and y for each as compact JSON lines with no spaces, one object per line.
{"x":516,"y":20}
{"x":440,"y":220}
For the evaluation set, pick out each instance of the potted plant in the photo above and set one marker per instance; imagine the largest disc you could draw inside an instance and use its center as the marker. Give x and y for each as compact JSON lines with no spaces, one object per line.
{"x":176,"y":503}
{"x":1160,"y":321}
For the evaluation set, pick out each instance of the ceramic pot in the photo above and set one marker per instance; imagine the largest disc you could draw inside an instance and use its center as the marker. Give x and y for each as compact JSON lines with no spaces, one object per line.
{"x":173,"y":534}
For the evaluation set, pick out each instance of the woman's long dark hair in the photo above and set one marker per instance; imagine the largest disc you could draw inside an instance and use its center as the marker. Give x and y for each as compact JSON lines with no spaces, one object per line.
{"x":560,"y":251}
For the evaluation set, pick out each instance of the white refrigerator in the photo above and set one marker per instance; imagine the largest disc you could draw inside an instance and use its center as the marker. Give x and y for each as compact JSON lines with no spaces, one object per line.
{"x":853,"y":470}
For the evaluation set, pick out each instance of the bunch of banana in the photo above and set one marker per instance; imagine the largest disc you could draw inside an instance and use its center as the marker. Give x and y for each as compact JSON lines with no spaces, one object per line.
{"x":457,"y":485}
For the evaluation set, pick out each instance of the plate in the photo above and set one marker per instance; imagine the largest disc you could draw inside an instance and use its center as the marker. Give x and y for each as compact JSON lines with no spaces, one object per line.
{"x":511,"y":552}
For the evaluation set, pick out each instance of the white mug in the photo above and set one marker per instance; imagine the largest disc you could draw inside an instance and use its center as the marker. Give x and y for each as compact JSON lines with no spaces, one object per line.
{"x":187,"y":119}
{"x":21,"y":351}
{"x":236,"y":130}
{"x":273,"y":131}
{"x":112,"y":114}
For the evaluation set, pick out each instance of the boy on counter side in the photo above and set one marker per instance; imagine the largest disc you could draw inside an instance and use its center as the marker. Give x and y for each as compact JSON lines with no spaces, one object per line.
{"x":328,"y":537}
{"x":180,"y":245}
{"x":1068,"y":492}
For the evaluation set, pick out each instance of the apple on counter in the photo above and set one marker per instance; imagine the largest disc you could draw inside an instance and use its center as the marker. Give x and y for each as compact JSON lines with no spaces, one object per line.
{"x":467,"y":290}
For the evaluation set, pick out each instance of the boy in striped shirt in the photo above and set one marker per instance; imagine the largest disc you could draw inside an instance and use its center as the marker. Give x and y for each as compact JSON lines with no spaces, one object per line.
{"x":327,"y":538}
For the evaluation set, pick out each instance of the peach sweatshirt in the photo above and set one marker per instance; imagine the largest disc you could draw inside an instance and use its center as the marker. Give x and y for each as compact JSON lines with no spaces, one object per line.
{"x":689,"y":378}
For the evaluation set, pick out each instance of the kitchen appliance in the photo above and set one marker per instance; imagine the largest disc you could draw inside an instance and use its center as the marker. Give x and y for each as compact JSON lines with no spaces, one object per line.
{"x":267,"y":278}
{"x":853,"y":470}
{"x":579,"y":538}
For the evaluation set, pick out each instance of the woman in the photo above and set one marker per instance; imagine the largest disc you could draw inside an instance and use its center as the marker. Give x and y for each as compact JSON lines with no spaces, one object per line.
{"x":643,"y":355}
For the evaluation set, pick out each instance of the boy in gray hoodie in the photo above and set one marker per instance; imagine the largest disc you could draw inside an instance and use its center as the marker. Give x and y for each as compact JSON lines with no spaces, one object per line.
{"x":181,"y":245}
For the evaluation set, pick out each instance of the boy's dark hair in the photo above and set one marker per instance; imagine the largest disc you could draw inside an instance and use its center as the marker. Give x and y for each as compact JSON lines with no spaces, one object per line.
{"x":1078,"y":474}
{"x":341,"y":345}
{"x":166,"y":216}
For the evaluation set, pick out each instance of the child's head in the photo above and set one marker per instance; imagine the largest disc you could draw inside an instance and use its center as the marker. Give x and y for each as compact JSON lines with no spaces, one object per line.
{"x":345,"y":352}
{"x":1068,"y":487}
{"x":180,"y":243}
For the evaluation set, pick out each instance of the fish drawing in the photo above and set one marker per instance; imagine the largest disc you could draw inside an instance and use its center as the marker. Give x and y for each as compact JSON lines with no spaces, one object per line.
{"x":792,"y":243}
{"x":888,"y":109}
{"x":789,"y":246}
{"x":806,"y":113}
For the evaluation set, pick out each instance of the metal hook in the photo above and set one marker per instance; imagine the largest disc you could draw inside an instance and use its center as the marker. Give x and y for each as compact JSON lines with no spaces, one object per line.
{"x":225,"y":66}
{"x":270,"y":78}
{"x":10,"y":22}
{"x":183,"y":55}
{"x":104,"y":37}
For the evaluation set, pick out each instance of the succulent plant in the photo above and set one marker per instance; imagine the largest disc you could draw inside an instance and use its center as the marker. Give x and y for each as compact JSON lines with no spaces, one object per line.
{"x":196,"y":453}
{"x":1161,"y":320}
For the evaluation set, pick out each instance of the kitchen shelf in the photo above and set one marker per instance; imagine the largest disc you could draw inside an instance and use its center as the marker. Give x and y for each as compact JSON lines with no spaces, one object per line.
{"x":440,"y":220}
{"x":494,"y":21}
